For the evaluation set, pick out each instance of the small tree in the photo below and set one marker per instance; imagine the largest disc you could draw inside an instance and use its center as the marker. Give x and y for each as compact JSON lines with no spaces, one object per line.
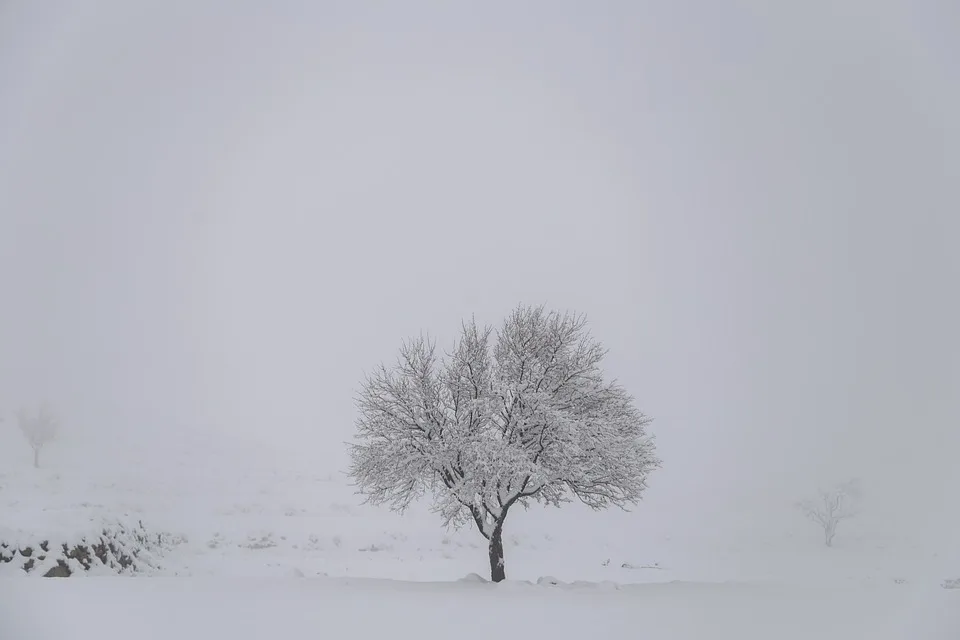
{"x":496,"y":423}
{"x":39,"y":429}
{"x":833,"y":505}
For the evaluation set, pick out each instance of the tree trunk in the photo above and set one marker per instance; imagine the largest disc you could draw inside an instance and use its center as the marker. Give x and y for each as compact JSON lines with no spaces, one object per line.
{"x":36,"y":458}
{"x":497,"y":573}
{"x":829,"y":532}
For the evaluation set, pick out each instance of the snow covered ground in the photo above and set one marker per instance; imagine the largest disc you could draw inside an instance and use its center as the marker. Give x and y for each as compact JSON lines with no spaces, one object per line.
{"x":162,"y":609}
{"x":264,"y":544}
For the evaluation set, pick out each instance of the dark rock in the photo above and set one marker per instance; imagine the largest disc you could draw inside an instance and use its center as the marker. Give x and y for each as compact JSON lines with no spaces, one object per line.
{"x":59,"y":571}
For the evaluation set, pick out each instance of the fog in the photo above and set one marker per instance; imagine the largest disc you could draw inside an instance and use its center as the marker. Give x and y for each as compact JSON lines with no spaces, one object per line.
{"x":215,"y":217}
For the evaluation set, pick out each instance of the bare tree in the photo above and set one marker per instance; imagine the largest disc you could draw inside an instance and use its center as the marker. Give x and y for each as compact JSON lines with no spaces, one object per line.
{"x":489,"y":426}
{"x":39,"y":429}
{"x":833,"y":505}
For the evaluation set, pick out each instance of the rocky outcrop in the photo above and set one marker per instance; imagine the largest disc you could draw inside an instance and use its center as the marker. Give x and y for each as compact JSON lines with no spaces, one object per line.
{"x":114,"y":549}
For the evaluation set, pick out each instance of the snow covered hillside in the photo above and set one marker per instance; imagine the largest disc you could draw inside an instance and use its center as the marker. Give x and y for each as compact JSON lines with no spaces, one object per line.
{"x":230,"y":507}
{"x":320,"y":560}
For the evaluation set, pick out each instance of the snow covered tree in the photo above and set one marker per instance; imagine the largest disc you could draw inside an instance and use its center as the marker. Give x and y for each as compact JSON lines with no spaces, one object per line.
{"x":508,"y":417}
{"x":39,"y":429}
{"x":831,"y":507}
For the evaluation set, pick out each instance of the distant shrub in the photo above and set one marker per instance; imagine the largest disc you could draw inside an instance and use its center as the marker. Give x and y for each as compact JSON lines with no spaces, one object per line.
{"x":264,"y":541}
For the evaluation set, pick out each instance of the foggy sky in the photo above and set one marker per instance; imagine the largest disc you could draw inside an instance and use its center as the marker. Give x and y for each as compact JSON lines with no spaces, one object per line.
{"x":219,"y":215}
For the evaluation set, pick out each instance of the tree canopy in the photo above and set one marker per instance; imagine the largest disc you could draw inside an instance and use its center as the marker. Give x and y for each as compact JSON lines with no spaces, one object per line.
{"x":506,"y":417}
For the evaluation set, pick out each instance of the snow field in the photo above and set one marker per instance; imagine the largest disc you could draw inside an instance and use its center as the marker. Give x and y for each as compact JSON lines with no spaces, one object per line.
{"x":165,"y":608}
{"x":258,"y":546}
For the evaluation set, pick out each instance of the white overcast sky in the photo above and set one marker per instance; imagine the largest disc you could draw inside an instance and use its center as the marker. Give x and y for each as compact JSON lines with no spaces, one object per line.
{"x":217,"y":215}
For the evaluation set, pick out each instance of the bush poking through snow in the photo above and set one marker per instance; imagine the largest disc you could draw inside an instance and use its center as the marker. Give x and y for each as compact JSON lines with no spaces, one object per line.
{"x":216,"y":541}
{"x":116,"y":549}
{"x":951,"y":584}
{"x":264,"y":541}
